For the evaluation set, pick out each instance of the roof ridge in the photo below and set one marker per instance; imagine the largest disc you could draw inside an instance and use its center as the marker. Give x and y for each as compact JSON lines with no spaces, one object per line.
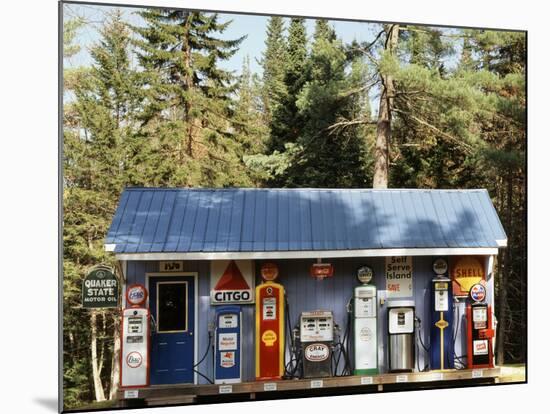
{"x":299,"y":189}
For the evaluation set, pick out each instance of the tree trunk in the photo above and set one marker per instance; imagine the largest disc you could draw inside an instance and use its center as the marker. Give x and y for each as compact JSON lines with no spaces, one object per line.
{"x":96,"y":374}
{"x":115,"y":368}
{"x":383,"y":127}
{"x":103,"y":342}
{"x":188,"y":81}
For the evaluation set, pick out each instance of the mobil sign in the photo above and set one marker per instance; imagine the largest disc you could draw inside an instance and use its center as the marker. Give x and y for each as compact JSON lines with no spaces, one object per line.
{"x":231,"y":281}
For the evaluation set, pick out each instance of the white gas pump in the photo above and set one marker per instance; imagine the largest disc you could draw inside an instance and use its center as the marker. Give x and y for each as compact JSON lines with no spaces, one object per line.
{"x":401,"y":335}
{"x":134,"y":370}
{"x":364,"y":325}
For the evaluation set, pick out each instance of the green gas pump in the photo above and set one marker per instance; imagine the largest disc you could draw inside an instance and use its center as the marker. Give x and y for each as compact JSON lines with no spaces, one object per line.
{"x":365,"y":327}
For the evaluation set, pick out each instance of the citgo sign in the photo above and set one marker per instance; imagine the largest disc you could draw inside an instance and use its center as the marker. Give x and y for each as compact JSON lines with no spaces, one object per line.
{"x":231,"y":281}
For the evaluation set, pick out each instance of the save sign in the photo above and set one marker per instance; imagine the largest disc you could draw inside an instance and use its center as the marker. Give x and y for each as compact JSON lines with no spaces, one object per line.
{"x":399,"y":276}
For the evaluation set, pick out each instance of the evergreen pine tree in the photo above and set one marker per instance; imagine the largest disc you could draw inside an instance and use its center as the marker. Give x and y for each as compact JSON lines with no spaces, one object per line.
{"x":189,"y":95}
{"x":323,"y":152}
{"x":286,"y":125}
{"x":251,"y":131}
{"x":273,"y":58}
{"x":330,"y":156}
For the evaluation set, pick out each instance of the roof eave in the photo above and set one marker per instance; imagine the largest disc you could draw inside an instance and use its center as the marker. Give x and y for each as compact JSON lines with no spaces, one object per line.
{"x":502,"y":242}
{"x":307,"y":254}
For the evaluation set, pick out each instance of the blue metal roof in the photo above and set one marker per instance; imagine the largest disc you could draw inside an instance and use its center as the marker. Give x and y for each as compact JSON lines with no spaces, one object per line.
{"x":257,"y":220}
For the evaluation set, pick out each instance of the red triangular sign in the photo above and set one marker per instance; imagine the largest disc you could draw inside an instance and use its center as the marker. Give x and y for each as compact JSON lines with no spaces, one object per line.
{"x":232,"y":279}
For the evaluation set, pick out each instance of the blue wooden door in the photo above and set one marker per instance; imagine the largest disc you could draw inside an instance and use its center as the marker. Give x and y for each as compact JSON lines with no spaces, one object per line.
{"x":172,"y":306}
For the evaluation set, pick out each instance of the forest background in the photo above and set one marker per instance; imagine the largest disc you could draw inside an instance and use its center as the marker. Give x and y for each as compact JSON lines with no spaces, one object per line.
{"x":173,"y":98}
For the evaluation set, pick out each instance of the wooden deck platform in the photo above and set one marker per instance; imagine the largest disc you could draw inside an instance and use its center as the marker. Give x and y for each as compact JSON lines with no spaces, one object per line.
{"x":263,"y":390}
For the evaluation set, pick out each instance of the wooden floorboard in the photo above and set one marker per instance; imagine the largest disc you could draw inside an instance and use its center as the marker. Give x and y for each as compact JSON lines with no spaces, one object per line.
{"x":190,"y":393}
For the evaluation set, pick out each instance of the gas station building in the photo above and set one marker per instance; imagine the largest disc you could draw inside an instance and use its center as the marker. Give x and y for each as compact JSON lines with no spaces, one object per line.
{"x":195,"y":251}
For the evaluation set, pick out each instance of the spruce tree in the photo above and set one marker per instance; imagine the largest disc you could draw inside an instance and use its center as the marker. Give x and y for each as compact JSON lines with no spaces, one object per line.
{"x":251,"y":130}
{"x":325,"y":151}
{"x":189,"y":95}
{"x":331,"y":156}
{"x":273,"y":58}
{"x":286,"y":125}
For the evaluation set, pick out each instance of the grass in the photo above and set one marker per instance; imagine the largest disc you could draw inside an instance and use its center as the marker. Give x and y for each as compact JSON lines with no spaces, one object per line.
{"x":512,"y":373}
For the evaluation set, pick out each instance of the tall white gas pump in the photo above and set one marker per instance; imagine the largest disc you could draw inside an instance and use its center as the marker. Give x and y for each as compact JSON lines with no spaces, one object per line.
{"x":365,"y":341}
{"x":134,"y":352}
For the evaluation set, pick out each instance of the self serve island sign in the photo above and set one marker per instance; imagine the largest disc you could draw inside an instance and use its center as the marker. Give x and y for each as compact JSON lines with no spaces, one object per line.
{"x":399,"y":276}
{"x":231,"y":281}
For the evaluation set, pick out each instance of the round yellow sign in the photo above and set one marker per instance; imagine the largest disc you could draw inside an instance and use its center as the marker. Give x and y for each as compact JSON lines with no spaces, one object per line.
{"x":269,"y":337}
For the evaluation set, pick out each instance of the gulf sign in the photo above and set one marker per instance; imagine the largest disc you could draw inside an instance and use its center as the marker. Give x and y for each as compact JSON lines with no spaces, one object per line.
{"x":231,"y":281}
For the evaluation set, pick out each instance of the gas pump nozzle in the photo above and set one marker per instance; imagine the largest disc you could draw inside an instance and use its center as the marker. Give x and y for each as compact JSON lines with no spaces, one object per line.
{"x":337,"y":332}
{"x":153,"y":324}
{"x":295,"y":338}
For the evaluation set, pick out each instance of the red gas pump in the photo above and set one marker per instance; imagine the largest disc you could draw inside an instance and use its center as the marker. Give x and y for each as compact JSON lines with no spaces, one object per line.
{"x":270,"y":326}
{"x":480,"y":331}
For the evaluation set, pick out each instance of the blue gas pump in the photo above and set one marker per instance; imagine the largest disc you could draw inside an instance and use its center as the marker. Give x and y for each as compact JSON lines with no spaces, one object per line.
{"x":441,"y":332}
{"x":228,"y":345}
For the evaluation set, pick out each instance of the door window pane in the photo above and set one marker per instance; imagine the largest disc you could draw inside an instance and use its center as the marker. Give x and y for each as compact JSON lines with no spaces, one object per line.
{"x":172,"y":306}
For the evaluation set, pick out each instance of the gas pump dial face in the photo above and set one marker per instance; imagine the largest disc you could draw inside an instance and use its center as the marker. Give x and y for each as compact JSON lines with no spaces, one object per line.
{"x":440,"y":266}
{"x":365,"y":274}
{"x":269,"y":272}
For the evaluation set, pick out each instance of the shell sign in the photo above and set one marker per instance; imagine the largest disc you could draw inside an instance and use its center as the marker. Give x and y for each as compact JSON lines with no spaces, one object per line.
{"x":466,"y":271}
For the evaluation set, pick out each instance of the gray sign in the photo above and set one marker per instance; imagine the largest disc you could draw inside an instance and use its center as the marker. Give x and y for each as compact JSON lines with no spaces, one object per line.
{"x":100,"y":289}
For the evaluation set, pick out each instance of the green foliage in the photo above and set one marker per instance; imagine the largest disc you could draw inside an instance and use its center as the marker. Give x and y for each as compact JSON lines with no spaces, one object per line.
{"x":274,"y":88}
{"x":321,"y":147}
{"x":188,"y":112}
{"x":287,"y":123}
{"x":70,"y":31}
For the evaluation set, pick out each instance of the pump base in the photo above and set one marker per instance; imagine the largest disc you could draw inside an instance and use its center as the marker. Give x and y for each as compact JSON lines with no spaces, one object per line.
{"x":268,"y":378}
{"x":372,"y":371}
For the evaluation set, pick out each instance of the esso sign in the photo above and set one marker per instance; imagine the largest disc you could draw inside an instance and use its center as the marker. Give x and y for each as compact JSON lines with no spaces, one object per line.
{"x":477,"y":292}
{"x":136,"y":295}
{"x":134,"y":359}
{"x":317,"y":352}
